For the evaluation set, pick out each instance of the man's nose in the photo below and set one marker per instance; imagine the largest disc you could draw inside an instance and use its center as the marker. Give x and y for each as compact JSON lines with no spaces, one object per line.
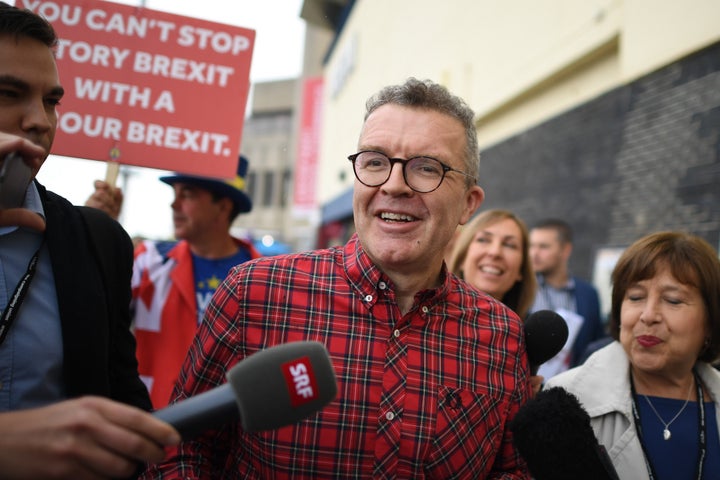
{"x":396,"y":180}
{"x":35,"y":116}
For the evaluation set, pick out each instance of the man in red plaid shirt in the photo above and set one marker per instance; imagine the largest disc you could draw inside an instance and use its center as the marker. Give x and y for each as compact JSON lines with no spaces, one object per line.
{"x":430,"y":371}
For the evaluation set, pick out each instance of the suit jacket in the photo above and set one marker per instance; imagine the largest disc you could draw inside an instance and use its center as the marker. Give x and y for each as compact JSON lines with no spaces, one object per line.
{"x":98,"y":346}
{"x":588,"y":305}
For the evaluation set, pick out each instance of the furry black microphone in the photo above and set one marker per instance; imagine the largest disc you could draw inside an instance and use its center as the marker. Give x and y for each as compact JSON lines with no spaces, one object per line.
{"x":552,"y":432}
{"x":545,"y":335}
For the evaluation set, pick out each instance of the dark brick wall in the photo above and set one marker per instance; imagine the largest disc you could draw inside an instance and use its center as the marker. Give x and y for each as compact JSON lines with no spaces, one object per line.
{"x":641,"y":158}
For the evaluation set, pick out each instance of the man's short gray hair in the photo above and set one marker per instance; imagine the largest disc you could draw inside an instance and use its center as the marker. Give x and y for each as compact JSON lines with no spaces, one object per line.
{"x":430,"y":95}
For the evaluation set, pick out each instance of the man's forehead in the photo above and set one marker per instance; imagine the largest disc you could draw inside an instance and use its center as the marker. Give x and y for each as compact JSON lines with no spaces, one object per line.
{"x":417,"y":131}
{"x":188,"y":187}
{"x":544,"y":235}
{"x":29,"y":60}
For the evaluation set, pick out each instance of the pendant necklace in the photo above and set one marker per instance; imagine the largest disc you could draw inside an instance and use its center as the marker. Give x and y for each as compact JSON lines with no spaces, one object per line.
{"x":702,"y":427}
{"x":666,"y":432}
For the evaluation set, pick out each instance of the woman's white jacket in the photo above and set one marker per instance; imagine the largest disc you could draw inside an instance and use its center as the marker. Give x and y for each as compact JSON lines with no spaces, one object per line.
{"x":602,"y":384}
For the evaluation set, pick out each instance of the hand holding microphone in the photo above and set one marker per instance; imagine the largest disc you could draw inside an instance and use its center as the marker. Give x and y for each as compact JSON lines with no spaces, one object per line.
{"x":272,"y":388}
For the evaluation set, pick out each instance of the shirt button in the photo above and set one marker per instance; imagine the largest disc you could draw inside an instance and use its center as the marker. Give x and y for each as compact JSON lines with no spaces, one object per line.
{"x":382,"y":285}
{"x":368,"y":298}
{"x":390,"y":416}
{"x":425,"y":309}
{"x":396,"y":333}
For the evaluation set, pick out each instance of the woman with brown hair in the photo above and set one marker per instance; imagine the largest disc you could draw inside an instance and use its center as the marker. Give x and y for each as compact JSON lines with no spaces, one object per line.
{"x":653,"y":395}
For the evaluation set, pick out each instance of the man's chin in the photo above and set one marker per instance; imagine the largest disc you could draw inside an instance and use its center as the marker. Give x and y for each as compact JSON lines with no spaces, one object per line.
{"x":179,"y":233}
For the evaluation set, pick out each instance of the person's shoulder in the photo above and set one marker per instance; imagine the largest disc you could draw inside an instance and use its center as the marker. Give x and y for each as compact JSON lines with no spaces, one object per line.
{"x":300,"y":262}
{"x":162,"y":246}
{"x":711,"y":378}
{"x":56,"y":205}
{"x":471,"y":294}
{"x":51,"y":196}
{"x":98,"y":216}
{"x":564,"y":379}
{"x":574,"y":380}
{"x":583,"y":284}
{"x":481,"y":306}
{"x":608,"y":357}
{"x":247,"y":246}
{"x":102,"y":226}
{"x":150,"y":252}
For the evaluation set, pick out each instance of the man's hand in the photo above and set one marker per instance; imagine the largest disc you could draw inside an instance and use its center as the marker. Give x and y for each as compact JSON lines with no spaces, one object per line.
{"x":85,"y":438}
{"x":34,"y":156}
{"x":536,"y":382}
{"x":107,"y":198}
{"x":22,"y":217}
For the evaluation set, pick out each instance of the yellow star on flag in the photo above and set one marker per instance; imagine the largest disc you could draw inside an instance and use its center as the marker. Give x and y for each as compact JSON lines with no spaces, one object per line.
{"x":213,"y":282}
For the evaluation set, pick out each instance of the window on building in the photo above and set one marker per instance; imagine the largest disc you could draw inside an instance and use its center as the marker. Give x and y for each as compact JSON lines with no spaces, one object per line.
{"x":285,"y":188}
{"x":251,"y":186}
{"x":268,"y":188}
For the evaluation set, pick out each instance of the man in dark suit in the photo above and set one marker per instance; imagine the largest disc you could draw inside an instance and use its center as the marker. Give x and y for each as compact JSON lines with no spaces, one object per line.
{"x":574,"y":299}
{"x":71,"y":401}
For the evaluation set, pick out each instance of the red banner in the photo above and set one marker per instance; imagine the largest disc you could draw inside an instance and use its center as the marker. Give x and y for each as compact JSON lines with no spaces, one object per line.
{"x":306,"y":163}
{"x":149,"y":88}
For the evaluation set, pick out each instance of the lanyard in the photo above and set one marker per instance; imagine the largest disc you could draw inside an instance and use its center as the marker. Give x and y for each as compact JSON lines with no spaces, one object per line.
{"x":11,"y":310}
{"x":701,"y":431}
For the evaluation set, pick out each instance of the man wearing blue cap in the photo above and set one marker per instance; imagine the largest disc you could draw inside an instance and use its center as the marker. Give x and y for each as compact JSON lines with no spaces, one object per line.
{"x":174,"y":280}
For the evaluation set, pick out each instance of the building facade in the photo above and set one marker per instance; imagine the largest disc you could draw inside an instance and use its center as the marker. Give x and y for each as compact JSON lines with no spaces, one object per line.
{"x":269,"y":144}
{"x":604,"y":113}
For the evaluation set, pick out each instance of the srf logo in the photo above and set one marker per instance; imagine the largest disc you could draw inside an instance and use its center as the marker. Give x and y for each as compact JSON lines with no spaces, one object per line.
{"x":300,"y":381}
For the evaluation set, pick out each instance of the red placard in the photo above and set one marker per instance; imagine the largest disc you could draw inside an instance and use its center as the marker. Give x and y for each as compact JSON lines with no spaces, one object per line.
{"x":149,"y":88}
{"x":306,"y":163}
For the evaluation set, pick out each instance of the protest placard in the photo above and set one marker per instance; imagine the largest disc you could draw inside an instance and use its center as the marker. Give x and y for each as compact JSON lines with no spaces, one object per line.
{"x":149,"y":88}
{"x":304,"y":198}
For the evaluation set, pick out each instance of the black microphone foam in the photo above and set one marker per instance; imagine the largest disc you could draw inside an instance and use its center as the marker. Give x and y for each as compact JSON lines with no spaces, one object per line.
{"x":545,"y":335}
{"x":272,"y":388}
{"x":553,"y":434}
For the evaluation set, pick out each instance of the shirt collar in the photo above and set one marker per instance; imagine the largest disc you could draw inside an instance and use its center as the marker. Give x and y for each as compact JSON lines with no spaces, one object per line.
{"x":368,"y":279}
{"x":542,"y":283}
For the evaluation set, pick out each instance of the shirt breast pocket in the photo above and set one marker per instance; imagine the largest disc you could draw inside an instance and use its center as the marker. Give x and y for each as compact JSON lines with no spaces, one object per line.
{"x":468,"y":430}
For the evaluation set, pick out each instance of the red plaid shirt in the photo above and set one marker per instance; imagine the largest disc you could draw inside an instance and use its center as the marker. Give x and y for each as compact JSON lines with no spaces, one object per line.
{"x":427,"y":394}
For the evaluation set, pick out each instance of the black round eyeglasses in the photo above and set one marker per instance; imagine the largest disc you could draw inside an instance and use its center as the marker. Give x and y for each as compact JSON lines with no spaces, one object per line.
{"x":421,"y":174}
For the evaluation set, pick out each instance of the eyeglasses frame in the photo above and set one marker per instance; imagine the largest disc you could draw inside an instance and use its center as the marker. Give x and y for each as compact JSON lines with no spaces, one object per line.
{"x":404,"y":161}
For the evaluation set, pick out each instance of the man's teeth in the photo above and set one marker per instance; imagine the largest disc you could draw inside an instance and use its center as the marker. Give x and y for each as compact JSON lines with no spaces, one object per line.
{"x":398,"y":217}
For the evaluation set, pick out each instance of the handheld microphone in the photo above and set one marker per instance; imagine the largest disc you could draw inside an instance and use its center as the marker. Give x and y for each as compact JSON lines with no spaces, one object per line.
{"x":272,"y":388}
{"x":552,"y":432}
{"x":545,"y":335}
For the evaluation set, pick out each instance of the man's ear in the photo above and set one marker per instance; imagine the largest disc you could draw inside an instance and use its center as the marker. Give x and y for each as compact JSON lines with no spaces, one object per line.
{"x":473,"y":199}
{"x":226,"y":205}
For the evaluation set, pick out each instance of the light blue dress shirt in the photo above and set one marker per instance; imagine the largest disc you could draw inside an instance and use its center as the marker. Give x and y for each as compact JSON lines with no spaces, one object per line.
{"x":31,"y":357}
